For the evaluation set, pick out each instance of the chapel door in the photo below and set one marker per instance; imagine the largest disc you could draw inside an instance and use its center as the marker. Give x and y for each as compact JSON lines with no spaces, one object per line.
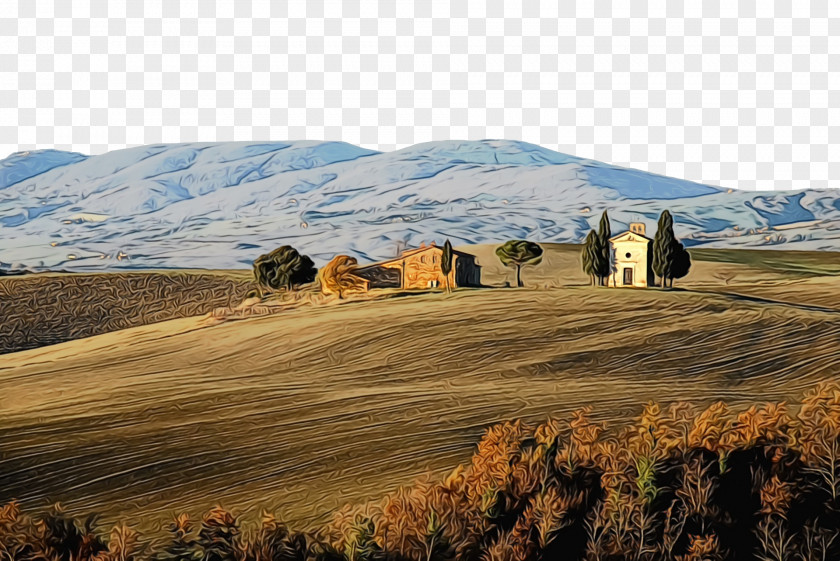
{"x":628,"y":276}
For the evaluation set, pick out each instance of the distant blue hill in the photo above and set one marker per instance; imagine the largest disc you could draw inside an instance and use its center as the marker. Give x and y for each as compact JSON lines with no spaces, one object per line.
{"x":21,"y":166}
{"x":219,"y":205}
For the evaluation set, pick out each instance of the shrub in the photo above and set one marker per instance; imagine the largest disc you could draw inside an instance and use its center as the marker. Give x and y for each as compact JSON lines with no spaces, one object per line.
{"x":182,"y":545}
{"x":218,"y":538}
{"x":283,"y":268}
{"x":336,"y":277}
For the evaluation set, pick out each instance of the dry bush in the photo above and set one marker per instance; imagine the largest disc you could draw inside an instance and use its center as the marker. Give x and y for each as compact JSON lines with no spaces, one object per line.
{"x":124,"y":544}
{"x":336,"y":277}
{"x":818,"y":426}
{"x":702,"y":548}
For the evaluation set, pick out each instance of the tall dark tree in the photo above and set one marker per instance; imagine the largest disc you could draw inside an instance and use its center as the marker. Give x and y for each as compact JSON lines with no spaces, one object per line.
{"x":604,"y":263}
{"x":515,"y":253}
{"x":446,"y":263}
{"x":589,"y":255}
{"x":681,"y":262}
{"x":663,"y":247}
{"x":283,"y":268}
{"x":670,"y":258}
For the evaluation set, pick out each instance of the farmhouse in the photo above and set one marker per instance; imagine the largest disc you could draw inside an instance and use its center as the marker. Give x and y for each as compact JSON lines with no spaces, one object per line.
{"x":420,"y":268}
{"x":632,"y":257}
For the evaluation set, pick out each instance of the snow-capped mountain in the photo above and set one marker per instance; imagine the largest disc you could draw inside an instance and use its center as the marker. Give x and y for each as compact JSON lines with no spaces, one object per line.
{"x":220,"y":205}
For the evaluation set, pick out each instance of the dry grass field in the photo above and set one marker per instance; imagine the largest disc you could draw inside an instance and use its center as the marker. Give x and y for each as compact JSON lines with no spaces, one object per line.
{"x":302,"y":411}
{"x":48,"y":308}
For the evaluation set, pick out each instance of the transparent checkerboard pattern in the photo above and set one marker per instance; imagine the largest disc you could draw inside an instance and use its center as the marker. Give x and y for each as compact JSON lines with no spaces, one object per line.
{"x":740,"y":94}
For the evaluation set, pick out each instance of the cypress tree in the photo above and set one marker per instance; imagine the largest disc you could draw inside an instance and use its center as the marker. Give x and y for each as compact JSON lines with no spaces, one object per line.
{"x":589,"y":256}
{"x":663,"y":247}
{"x":446,"y":263}
{"x":681,"y":262}
{"x":604,"y":263}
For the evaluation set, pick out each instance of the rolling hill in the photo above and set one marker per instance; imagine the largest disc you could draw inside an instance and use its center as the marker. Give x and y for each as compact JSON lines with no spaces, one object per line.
{"x":313,"y":407}
{"x":49,"y":308}
{"x":214,"y":206}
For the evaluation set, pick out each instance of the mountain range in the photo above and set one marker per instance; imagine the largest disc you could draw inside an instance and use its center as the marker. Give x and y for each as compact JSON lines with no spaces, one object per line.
{"x":221,"y":205}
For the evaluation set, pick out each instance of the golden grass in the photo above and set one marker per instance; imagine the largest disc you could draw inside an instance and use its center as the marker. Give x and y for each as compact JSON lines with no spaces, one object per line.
{"x":313,"y":407}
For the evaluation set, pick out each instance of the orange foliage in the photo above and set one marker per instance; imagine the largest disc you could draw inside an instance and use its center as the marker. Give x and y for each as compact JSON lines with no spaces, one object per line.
{"x":709,"y":428}
{"x":336,"y":277}
{"x":770,"y":424}
{"x":702,"y":548}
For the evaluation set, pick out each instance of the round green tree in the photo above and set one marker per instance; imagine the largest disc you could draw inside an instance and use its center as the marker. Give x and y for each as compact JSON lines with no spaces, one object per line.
{"x":516,"y":253}
{"x":283,"y":268}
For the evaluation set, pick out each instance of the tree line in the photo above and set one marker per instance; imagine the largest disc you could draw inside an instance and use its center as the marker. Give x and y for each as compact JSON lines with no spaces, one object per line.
{"x":669,"y":258}
{"x":286,"y":269}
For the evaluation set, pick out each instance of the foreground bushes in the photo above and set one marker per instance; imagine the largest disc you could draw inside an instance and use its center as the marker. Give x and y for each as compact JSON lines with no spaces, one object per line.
{"x":680,"y":484}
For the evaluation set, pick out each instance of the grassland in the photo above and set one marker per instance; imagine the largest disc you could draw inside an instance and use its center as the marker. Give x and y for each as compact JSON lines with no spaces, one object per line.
{"x":310,"y":408}
{"x":48,"y":308}
{"x":787,"y":263}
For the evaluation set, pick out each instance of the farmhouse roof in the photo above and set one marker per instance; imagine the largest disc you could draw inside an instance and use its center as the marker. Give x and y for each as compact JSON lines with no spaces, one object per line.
{"x":630,"y":234}
{"x":414,"y":251}
{"x":408,"y":252}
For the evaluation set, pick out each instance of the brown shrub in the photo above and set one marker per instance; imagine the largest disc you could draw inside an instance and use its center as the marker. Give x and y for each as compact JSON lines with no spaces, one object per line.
{"x":337,"y":277}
